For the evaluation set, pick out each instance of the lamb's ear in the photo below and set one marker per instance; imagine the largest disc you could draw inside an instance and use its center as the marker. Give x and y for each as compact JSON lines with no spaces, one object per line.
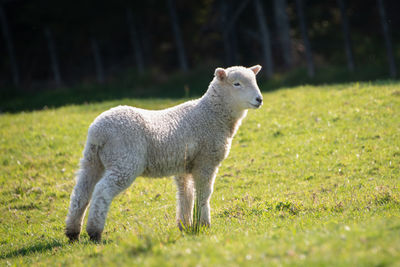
{"x":220,"y":73}
{"x":256,"y":69}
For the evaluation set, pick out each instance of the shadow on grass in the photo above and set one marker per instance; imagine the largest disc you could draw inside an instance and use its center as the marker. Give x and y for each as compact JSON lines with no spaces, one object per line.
{"x":178,"y":85}
{"x":34,"y":248}
{"x":42,"y":247}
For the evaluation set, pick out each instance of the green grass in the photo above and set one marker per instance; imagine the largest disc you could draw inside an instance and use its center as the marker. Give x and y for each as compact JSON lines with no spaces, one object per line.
{"x":312,"y":179}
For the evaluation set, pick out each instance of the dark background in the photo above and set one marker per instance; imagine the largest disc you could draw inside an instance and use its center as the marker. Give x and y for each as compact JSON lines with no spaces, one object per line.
{"x":76,"y":25}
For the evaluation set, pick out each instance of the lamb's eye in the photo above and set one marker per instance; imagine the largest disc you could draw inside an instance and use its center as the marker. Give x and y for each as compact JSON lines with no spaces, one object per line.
{"x":236,"y":84}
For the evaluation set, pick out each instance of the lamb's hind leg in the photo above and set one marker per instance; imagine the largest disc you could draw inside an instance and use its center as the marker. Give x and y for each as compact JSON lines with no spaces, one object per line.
{"x":113,"y":183}
{"x":185,"y":198}
{"x":88,"y":175}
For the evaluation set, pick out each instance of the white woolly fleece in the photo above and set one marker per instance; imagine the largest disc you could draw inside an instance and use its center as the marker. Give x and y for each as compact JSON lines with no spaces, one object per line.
{"x":189,"y":141}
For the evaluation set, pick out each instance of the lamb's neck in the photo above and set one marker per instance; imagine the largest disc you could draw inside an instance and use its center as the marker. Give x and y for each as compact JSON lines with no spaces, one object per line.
{"x":225,"y":115}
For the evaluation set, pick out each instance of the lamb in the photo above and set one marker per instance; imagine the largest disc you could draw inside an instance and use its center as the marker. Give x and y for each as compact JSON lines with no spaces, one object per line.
{"x":189,"y":141}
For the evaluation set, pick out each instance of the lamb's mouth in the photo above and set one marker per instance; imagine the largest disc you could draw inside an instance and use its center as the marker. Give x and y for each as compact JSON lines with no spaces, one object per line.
{"x":255,"y":105}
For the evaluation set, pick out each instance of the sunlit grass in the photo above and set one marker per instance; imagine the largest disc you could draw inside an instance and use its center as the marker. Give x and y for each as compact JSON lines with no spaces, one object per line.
{"x":312,"y":179}
{"x":196,"y":228}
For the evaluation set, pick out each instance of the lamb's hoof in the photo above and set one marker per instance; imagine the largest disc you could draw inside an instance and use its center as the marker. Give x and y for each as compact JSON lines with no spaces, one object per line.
{"x":182,"y":226}
{"x":72,"y":236}
{"x":205,"y":224}
{"x":95,"y":236}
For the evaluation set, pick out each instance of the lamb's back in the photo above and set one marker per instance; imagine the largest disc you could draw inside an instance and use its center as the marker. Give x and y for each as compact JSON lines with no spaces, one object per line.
{"x":171,"y":138}
{"x":117,"y":123}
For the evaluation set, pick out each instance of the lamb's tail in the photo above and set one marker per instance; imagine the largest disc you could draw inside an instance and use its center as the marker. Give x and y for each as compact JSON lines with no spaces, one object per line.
{"x":90,"y":172}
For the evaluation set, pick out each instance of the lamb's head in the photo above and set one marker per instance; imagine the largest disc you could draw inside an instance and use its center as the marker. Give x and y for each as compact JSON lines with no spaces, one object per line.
{"x":240,"y":85}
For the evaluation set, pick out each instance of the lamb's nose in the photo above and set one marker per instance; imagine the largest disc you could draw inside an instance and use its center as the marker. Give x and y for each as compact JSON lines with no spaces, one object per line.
{"x":259,"y":100}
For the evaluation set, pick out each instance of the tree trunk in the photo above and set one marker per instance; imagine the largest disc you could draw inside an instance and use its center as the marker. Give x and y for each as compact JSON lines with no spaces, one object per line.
{"x":234,"y":51}
{"x":265,"y":39}
{"x":97,"y":61}
{"x":177,"y":34}
{"x":53,"y":57}
{"x":388,"y":41}
{"x":229,"y":16}
{"x":147,"y":41}
{"x":304,"y":33}
{"x":10,"y":47}
{"x":227,"y":36}
{"x":346,"y":35}
{"x":283,"y":30}
{"x":134,"y":36}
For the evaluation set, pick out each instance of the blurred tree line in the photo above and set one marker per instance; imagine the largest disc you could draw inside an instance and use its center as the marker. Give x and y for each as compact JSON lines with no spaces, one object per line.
{"x":47,"y":43}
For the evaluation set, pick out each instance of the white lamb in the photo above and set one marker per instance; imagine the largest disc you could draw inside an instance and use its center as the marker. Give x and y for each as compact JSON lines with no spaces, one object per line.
{"x":189,"y":141}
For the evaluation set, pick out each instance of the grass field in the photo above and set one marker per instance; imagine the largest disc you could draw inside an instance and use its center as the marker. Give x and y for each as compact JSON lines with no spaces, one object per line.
{"x":312,"y":179}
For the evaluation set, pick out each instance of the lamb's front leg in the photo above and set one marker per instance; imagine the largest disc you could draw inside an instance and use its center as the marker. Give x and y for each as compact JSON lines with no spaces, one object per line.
{"x":185,"y":198}
{"x":204,"y":182}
